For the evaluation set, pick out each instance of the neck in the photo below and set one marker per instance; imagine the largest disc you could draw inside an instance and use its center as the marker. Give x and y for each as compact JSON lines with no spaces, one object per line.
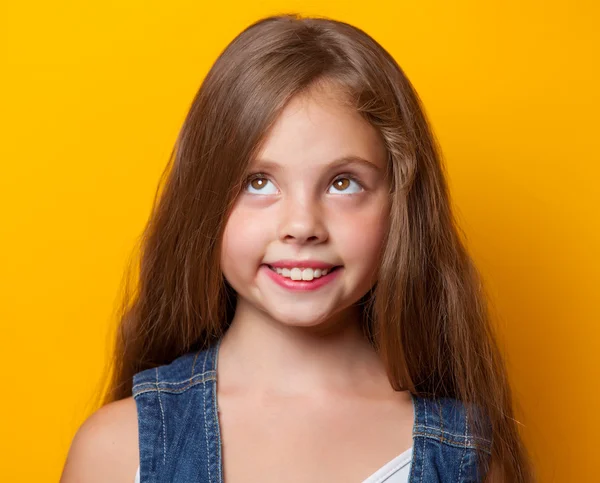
{"x":263,"y":354}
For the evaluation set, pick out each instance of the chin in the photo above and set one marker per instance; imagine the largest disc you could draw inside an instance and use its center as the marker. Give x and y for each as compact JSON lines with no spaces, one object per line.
{"x":305,"y":319}
{"x":299,"y":321}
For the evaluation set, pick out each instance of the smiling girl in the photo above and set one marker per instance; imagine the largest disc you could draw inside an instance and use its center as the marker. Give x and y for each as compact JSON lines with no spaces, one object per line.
{"x":305,"y":309}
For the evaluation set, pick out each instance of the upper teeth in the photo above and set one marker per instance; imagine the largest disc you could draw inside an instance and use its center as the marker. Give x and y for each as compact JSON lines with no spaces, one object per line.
{"x":301,"y":273}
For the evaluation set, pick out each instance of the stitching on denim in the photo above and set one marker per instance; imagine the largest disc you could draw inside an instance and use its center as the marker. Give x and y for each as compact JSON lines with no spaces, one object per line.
{"x":462,"y":460}
{"x":166,"y":390}
{"x":173,"y":391}
{"x":416,"y":432}
{"x":458,"y":437}
{"x":460,"y":444}
{"x":441,"y":417}
{"x":205,"y":421}
{"x":162,"y":416}
{"x":214,"y":364}
{"x":207,"y":375}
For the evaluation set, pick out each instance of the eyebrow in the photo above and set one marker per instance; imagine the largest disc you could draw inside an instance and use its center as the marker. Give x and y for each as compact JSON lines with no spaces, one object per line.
{"x":336,"y":163}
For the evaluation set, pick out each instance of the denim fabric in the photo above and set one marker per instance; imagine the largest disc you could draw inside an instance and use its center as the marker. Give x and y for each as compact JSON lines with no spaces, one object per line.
{"x":180,"y":441}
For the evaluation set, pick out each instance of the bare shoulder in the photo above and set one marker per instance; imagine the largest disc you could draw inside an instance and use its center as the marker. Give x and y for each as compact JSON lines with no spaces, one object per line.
{"x":105,"y":447}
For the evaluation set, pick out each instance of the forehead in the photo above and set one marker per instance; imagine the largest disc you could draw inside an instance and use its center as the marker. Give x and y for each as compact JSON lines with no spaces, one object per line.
{"x":316,"y":128}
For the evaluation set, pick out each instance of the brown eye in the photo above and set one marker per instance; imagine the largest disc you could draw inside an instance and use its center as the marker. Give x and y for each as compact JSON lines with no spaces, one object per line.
{"x":258,"y":183}
{"x":341,"y":183}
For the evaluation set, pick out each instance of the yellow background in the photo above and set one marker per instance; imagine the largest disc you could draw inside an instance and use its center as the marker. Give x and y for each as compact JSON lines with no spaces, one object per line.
{"x":93,"y":94}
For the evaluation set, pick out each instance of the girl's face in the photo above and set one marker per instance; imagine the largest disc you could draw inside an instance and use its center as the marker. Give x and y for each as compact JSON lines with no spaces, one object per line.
{"x":317,"y":197}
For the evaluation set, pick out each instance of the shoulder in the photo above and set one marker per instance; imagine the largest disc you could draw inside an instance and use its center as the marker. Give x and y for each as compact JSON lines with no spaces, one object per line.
{"x":447,"y":421}
{"x":447,"y":445}
{"x":105,"y":447}
{"x":182,"y":373}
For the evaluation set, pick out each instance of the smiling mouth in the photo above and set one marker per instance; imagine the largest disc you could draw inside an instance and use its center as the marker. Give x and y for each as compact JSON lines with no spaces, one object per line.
{"x":303,"y":274}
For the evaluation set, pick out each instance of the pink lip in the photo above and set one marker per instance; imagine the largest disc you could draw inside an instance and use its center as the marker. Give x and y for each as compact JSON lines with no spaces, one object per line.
{"x":300,"y":285}
{"x":300,"y":264}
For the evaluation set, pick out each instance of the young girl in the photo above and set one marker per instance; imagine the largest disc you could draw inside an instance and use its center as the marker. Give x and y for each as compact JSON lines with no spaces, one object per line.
{"x":306,"y":310}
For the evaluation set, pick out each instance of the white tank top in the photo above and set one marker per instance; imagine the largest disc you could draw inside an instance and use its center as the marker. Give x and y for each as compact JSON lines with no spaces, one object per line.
{"x":394,"y":471}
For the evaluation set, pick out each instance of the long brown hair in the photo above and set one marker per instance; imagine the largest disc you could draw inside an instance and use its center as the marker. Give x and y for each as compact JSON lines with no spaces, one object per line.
{"x":427,"y":314}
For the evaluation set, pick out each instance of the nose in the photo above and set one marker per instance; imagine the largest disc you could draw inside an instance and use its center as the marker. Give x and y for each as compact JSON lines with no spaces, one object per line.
{"x":302,"y":222}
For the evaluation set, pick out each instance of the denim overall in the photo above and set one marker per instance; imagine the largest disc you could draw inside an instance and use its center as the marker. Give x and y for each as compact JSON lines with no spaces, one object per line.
{"x":179,"y":437}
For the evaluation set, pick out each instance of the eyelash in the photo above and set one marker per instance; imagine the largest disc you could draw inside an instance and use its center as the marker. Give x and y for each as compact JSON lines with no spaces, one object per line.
{"x":349,"y":176}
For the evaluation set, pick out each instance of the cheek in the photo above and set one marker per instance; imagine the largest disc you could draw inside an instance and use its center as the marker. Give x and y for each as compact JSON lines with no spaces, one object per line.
{"x":361,"y":235}
{"x":244,"y":242}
